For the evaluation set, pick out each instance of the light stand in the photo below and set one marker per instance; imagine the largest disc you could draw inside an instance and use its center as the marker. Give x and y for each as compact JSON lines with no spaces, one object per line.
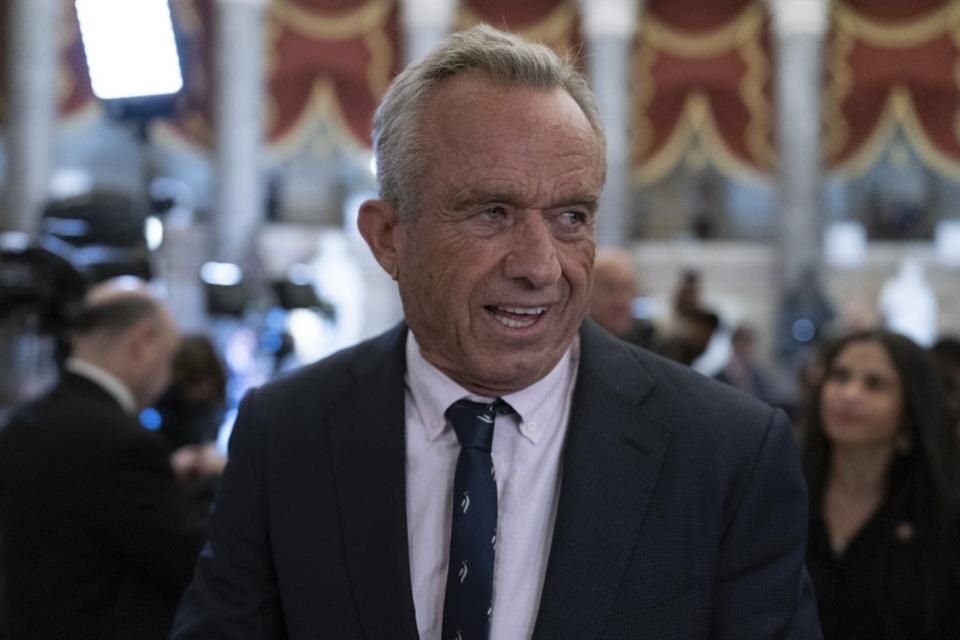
{"x":135,"y":67}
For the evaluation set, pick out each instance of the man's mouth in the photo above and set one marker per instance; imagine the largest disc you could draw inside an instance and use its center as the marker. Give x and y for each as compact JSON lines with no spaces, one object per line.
{"x":517,"y":317}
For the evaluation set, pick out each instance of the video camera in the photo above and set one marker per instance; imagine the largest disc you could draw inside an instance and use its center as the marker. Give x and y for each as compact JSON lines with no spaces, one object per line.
{"x":100,"y":233}
{"x":35,"y":281}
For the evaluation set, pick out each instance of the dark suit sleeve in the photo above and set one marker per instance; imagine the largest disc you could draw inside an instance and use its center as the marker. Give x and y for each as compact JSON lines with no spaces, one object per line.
{"x":138,"y":505}
{"x":234,"y":593}
{"x":763,"y":584}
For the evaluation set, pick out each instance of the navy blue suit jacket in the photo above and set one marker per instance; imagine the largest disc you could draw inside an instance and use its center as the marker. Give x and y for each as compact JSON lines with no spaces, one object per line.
{"x":683,"y":510}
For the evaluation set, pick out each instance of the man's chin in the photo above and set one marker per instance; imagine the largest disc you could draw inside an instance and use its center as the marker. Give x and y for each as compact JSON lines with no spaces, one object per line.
{"x":511,"y":373}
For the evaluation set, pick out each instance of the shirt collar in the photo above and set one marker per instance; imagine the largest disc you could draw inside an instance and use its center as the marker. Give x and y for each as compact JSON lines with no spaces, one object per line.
{"x":433,"y":391}
{"x":109,"y":382}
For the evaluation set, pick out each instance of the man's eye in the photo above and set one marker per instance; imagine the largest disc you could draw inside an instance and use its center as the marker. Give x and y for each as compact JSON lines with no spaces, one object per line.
{"x":573,"y":218}
{"x":494,"y":213}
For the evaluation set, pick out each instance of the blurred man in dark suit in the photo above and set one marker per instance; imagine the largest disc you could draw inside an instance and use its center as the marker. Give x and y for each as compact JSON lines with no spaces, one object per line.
{"x":97,"y":542}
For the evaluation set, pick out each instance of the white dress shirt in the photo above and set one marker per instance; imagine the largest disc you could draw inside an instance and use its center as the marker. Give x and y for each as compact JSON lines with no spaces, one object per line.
{"x":109,"y":382}
{"x":526,"y":456}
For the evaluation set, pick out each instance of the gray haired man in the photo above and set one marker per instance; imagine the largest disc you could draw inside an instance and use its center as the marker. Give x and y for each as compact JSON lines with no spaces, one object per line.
{"x":498,"y":467}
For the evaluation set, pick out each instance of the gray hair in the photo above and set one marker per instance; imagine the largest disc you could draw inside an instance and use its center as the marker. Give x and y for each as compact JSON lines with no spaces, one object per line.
{"x":399,"y":140}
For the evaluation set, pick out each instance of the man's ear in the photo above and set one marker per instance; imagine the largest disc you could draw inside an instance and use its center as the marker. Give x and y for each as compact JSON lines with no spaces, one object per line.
{"x":379,"y":225}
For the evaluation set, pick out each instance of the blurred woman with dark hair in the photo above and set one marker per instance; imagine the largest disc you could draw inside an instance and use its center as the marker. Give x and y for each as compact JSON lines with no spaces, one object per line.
{"x":884,"y":549}
{"x":191,"y":412}
{"x":193,"y":407}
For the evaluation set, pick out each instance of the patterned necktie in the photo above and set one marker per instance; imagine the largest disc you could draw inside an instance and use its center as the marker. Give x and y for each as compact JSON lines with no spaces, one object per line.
{"x":473,"y":534}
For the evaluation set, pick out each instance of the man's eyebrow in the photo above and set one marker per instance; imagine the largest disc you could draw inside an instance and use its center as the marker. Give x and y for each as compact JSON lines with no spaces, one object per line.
{"x":474,"y":198}
{"x":477,"y":197}
{"x":590,"y":202}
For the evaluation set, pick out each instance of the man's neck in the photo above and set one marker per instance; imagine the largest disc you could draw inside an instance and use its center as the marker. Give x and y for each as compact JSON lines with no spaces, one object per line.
{"x":109,"y":382}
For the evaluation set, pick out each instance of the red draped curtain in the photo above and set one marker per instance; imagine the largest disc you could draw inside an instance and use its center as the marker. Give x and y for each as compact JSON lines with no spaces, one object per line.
{"x":333,"y":59}
{"x":702,"y":87}
{"x":893,"y":67}
{"x":325,"y":59}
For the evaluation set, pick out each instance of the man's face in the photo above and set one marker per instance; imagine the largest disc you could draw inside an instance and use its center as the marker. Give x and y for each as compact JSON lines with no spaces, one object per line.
{"x":614,"y":289}
{"x":495,"y":266}
{"x":156,"y":344}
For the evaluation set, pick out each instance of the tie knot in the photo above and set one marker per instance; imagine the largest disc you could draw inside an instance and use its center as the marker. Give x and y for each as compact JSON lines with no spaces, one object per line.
{"x":473,"y":421}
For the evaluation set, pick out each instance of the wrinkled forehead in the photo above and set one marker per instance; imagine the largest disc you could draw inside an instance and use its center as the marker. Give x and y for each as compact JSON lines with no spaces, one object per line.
{"x":473,"y":101}
{"x":483,"y":131}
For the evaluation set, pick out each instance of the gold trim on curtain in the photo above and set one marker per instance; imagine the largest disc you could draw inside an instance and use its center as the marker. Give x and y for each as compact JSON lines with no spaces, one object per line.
{"x":321,"y":26}
{"x":742,"y":36}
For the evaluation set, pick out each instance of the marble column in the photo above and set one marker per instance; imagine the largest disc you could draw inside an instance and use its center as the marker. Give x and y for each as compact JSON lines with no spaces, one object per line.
{"x":425,"y":23}
{"x":609,"y":27}
{"x":31,"y":94}
{"x":799,"y":28}
{"x":239,"y":126}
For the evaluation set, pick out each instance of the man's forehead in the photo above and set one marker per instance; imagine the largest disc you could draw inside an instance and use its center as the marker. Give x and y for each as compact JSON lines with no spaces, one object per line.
{"x":475,"y":94}
{"x":487,"y":122}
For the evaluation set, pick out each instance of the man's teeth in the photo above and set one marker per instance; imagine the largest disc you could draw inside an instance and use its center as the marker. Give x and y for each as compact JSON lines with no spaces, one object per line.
{"x":531,"y":313}
{"x":525,"y":311}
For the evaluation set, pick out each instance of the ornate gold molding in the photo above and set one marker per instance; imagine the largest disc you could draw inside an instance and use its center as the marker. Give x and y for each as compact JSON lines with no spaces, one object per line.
{"x":899,"y":35}
{"x":346,"y":26}
{"x":732,"y":35}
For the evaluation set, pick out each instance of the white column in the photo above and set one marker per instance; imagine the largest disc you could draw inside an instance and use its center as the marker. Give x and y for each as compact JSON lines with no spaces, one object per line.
{"x":239,"y":125}
{"x":609,"y":28}
{"x":425,"y":23}
{"x":799,"y":28}
{"x":32,"y":109}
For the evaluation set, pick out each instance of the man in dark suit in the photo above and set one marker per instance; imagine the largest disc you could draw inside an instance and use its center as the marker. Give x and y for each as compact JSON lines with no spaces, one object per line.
{"x":96,"y":539}
{"x":497,"y":467}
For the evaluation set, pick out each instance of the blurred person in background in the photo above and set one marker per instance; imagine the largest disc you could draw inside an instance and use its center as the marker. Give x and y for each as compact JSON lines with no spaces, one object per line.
{"x":690,"y":336}
{"x":98,"y":541}
{"x":691,"y":325}
{"x":798,"y":396}
{"x":194,"y":405}
{"x":742,"y":370}
{"x":191,"y":412}
{"x":686,"y":296}
{"x":884,"y":548}
{"x":611,"y":302}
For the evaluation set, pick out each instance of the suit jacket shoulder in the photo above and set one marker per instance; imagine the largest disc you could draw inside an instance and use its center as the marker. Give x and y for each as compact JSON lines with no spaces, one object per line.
{"x":690,"y":404}
{"x":682,"y":510}
{"x":335,"y":380}
{"x":309,"y":525}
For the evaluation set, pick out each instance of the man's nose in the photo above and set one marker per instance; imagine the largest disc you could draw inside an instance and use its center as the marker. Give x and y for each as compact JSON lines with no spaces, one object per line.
{"x":533,"y":256}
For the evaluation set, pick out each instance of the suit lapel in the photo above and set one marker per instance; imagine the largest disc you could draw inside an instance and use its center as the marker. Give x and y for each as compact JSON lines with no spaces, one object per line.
{"x":369,"y":452}
{"x":612,"y":459}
